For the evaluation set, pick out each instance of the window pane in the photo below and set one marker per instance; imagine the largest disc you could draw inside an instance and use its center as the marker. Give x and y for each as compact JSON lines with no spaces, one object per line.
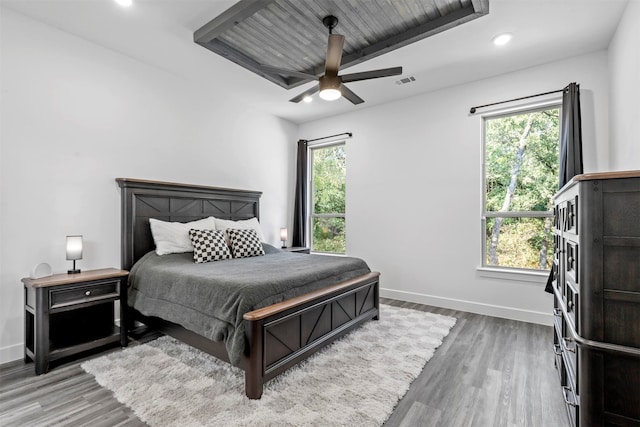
{"x":328,"y":235}
{"x":519,"y":243}
{"x":329,"y":179}
{"x":521,"y":161}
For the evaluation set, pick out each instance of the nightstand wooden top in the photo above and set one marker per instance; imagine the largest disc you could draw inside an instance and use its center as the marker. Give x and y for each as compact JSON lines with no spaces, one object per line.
{"x":66,"y":279}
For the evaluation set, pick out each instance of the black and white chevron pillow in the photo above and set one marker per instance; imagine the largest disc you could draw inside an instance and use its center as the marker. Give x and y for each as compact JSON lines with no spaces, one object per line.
{"x":244,"y":243}
{"x":209,"y":245}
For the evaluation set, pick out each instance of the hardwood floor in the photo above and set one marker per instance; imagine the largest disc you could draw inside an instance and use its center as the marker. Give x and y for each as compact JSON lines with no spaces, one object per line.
{"x":488,"y":372}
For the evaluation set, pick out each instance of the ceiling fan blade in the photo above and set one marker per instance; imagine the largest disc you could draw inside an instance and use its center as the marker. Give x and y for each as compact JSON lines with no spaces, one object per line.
{"x":334,"y":54}
{"x":373,"y":74}
{"x":304,"y":94}
{"x":289,"y":73}
{"x":347,"y":93}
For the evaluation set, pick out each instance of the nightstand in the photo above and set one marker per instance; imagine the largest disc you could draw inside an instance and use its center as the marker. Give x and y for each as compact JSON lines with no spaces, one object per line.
{"x":299,"y":249}
{"x":66,"y":314}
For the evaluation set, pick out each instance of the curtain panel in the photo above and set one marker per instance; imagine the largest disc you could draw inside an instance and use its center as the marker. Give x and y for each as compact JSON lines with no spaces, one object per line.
{"x":570,"y":144}
{"x":571,"y":135}
{"x":299,"y":236}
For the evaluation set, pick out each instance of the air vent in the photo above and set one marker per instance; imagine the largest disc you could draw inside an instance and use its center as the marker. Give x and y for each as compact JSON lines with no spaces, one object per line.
{"x":405,"y":80}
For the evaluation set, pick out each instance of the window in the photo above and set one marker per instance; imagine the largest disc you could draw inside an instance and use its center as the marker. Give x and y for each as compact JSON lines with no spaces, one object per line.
{"x":520,"y":178}
{"x":328,"y":167}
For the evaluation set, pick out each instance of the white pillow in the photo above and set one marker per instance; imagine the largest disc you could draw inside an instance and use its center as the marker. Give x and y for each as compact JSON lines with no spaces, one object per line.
{"x":173,"y":237}
{"x":223,"y":224}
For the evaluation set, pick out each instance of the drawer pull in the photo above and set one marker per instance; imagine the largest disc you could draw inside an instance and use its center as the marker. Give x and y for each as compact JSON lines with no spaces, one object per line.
{"x":567,"y":340}
{"x":557,"y":350}
{"x":566,"y":390}
{"x":87,"y":293}
{"x":569,"y":306}
{"x":557,"y":312}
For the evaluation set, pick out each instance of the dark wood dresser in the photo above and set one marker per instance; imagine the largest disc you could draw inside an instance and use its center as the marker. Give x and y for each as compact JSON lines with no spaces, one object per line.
{"x":597,"y":298}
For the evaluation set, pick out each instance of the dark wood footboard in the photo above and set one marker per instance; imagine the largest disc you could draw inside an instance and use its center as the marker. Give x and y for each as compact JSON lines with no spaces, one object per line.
{"x":283,"y":334}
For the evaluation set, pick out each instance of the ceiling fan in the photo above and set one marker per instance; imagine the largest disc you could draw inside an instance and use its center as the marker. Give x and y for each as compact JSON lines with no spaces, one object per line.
{"x":331,"y":85}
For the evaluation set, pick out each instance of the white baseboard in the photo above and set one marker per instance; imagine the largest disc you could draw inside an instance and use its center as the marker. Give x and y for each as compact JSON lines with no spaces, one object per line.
{"x":11,"y":353}
{"x":471,"y":307}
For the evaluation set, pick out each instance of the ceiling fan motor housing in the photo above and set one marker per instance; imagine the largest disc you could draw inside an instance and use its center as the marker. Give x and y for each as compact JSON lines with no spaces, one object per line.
{"x":329,"y":82}
{"x":330,"y":22}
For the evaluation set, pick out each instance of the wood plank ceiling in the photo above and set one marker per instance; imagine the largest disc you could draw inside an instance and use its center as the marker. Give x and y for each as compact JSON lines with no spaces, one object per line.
{"x":289,"y":34}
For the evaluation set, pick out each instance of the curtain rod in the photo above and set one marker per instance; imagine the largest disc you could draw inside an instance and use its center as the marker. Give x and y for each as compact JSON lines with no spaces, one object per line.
{"x":327,"y":137}
{"x":473,"y":109}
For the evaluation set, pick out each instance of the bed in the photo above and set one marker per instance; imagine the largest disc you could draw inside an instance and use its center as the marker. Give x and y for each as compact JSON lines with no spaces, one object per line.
{"x":276,"y":336}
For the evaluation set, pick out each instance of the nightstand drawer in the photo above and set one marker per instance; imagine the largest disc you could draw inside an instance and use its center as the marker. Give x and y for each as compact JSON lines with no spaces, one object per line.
{"x":80,"y":294}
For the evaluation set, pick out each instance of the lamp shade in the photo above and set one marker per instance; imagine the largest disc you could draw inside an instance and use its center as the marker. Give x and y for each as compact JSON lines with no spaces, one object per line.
{"x":74,"y":247}
{"x":283,"y":234}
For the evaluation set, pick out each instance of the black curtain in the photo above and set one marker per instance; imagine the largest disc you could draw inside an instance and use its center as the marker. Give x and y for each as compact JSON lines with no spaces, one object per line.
{"x":570,"y":143}
{"x":571,"y":135}
{"x":300,"y":206}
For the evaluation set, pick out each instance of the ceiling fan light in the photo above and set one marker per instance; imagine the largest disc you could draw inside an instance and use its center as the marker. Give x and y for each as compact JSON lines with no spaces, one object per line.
{"x":330,"y":94}
{"x":330,"y":88}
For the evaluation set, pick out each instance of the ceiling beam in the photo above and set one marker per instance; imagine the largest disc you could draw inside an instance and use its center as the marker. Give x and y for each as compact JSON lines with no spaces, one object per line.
{"x":250,"y":64}
{"x":227,"y":19}
{"x":415,"y":34}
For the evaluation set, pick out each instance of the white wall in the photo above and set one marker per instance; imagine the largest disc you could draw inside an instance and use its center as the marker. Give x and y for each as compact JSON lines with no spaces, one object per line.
{"x":75,"y":116}
{"x":624,"y":78}
{"x":414,"y":186}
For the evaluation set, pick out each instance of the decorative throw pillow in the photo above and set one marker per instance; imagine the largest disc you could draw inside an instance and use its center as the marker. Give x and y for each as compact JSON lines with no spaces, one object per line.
{"x":223,"y":224}
{"x":209,"y":245}
{"x":244,"y":242}
{"x":173,"y":237}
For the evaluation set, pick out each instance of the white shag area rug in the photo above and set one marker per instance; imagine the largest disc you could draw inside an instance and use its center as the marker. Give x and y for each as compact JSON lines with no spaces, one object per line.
{"x":356,"y":381}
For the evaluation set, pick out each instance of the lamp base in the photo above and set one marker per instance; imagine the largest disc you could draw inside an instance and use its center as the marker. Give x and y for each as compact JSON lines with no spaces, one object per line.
{"x":73,"y":271}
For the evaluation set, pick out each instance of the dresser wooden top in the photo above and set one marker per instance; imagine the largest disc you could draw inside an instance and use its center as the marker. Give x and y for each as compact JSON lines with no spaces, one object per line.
{"x":607,"y":175}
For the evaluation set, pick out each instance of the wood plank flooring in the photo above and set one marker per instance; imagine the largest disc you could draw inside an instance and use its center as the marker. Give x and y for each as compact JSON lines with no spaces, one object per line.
{"x":488,"y":372}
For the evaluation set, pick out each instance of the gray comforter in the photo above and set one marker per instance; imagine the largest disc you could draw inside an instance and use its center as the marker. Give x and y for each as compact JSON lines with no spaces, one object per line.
{"x":210,"y":299}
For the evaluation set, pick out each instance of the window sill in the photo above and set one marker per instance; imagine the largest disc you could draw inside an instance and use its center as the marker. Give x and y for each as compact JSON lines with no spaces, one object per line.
{"x":539,"y":277}
{"x":328,"y":253}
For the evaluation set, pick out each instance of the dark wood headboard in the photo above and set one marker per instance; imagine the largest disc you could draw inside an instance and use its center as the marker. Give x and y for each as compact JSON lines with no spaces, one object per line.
{"x":168,"y":201}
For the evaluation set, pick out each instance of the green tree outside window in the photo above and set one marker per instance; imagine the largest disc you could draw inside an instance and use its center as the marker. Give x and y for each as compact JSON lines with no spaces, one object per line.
{"x":328,"y":178}
{"x":521,"y":176}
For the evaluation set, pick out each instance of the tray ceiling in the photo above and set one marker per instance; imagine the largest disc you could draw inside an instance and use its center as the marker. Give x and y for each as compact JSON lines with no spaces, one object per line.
{"x":289,"y":34}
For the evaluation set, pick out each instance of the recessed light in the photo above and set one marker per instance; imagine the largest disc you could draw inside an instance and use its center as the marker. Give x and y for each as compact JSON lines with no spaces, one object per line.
{"x":502,"y":39}
{"x":307,"y":99}
{"x":125,"y":3}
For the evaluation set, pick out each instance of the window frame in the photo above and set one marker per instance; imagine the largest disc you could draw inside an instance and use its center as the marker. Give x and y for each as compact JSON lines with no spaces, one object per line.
{"x":310,"y":201}
{"x":497,"y":271}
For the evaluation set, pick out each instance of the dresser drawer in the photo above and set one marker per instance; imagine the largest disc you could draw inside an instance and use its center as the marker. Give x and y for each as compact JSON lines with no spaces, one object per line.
{"x":557,"y":347}
{"x":572,"y":404}
{"x":569,"y":351}
{"x":571,"y":302}
{"x":571,"y":261}
{"x":106,"y":290}
{"x":571,"y":216}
